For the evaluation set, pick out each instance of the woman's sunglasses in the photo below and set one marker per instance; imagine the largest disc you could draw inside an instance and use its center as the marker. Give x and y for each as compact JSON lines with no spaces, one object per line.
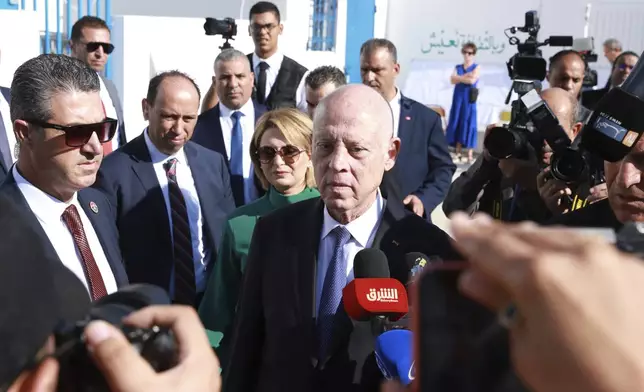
{"x":288,"y":153}
{"x":79,"y":135}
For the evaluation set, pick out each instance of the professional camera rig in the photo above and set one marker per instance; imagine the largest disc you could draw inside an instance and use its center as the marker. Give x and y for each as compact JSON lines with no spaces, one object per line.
{"x":226,"y":27}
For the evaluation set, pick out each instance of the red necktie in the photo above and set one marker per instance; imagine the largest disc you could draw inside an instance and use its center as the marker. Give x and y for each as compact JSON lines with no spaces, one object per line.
{"x":107,"y":146}
{"x":92,"y":273}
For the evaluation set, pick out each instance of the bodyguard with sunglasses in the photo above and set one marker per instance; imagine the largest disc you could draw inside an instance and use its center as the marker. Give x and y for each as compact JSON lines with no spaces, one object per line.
{"x":171,"y":195}
{"x":90,"y":43}
{"x":281,"y":154}
{"x":59,"y":127}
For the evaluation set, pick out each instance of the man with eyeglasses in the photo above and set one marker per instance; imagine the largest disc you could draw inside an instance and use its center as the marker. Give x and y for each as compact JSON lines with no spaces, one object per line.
{"x":172,"y":196}
{"x":90,"y":43}
{"x":59,"y":127}
{"x":279,"y":80}
{"x":622,"y":67}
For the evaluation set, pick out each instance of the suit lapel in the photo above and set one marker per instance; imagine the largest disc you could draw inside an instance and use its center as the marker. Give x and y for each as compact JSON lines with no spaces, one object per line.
{"x":217,"y":134}
{"x":97,"y":214}
{"x":205,"y":184}
{"x":305,"y":267}
{"x":405,"y":123}
{"x":144,"y":171}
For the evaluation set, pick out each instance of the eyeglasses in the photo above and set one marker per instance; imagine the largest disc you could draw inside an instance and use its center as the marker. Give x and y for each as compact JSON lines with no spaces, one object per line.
{"x":257,"y":28}
{"x":93,"y":47}
{"x":469,"y":53}
{"x":288,"y":153}
{"x":624,"y":67}
{"x":79,"y":135}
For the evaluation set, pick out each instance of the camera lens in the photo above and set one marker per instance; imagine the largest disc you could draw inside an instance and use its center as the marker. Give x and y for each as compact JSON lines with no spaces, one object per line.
{"x":503,"y":143}
{"x":568,"y":166}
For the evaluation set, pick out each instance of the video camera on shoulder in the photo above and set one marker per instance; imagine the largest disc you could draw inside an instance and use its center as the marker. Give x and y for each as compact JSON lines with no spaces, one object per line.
{"x":586,"y":48}
{"x":226,"y":27}
{"x":527,"y":69}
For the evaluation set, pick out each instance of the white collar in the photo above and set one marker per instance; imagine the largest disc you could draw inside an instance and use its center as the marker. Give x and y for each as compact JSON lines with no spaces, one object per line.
{"x":46,"y":207}
{"x":248,"y":109}
{"x":274,"y":62}
{"x":397,"y":98}
{"x":360,"y":228}
{"x":157,"y":156}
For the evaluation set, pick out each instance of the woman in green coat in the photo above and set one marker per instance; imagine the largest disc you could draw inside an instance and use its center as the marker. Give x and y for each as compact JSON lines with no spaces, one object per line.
{"x":281,"y":156}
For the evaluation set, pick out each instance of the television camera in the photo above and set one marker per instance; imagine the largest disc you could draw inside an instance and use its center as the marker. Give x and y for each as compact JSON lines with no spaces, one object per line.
{"x":527,"y":69}
{"x":586,"y":47}
{"x":226,"y":27}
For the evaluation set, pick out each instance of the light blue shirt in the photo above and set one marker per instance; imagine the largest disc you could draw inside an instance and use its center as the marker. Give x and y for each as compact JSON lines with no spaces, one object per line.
{"x":363,"y":231}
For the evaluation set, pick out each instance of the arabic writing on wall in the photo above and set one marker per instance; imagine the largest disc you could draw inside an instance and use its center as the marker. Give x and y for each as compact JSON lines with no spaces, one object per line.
{"x":440,"y":42}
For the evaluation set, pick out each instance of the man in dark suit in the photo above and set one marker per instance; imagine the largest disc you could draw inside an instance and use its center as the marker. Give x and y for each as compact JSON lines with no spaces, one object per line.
{"x":424,"y":168}
{"x":228,"y":127}
{"x":90,"y":43}
{"x":56,"y":165}
{"x":279,"y":80}
{"x":622,"y":67}
{"x":7,"y":137}
{"x":171,"y":195}
{"x":291,"y":331}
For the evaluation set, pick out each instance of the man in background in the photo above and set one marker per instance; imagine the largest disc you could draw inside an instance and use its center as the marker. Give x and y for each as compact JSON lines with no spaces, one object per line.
{"x":279,"y":80}
{"x":90,"y":43}
{"x":228,"y":127}
{"x":321,"y":82}
{"x":424,"y":168}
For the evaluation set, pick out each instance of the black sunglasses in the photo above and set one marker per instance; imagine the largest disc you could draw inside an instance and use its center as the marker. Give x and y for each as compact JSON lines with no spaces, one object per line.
{"x":79,"y":135}
{"x":288,"y":153}
{"x":93,"y":47}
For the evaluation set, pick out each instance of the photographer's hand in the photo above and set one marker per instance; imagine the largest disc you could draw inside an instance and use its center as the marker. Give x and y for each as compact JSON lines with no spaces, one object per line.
{"x":552,"y":192}
{"x":579,"y":321}
{"x":126,"y":371}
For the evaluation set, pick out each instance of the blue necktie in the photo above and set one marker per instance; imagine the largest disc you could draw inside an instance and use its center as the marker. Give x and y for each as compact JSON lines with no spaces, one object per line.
{"x":236,"y":146}
{"x":237,"y":160}
{"x":334,"y":282}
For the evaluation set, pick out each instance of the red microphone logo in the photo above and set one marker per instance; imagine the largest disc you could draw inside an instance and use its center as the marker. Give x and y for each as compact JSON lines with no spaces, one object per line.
{"x":368,"y":297}
{"x":383,"y":295}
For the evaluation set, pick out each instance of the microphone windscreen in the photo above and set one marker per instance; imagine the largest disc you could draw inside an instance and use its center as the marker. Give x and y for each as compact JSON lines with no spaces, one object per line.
{"x":370,"y":263}
{"x":394,"y":355}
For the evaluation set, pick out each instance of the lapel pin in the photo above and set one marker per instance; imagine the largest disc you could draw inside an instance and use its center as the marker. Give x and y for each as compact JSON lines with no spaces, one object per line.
{"x":93,"y":207}
{"x":407,"y":118}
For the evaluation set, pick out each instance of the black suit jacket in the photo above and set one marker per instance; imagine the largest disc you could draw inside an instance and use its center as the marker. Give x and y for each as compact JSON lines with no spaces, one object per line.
{"x":591,"y":98}
{"x":114,"y":96}
{"x":6,"y":93}
{"x":274,"y":343}
{"x":424,"y":167}
{"x":208,"y":133}
{"x":128,"y":180}
{"x":102,"y":222}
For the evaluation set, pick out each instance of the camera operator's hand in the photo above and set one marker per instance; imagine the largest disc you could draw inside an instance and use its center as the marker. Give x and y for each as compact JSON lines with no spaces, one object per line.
{"x":597,"y":193}
{"x":126,"y":371}
{"x":553,"y":192}
{"x":579,"y":319}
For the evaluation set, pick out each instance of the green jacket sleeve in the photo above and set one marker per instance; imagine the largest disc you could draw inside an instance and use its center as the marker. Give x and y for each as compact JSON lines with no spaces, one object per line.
{"x":217,"y":309}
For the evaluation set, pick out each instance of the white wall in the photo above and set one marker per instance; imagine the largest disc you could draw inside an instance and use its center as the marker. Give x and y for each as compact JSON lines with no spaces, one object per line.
{"x":192,"y":8}
{"x":13,"y":52}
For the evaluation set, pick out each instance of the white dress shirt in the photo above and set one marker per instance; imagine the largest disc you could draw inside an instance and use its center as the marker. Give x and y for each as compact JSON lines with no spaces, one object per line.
{"x":274,"y":64}
{"x":49,"y":212}
{"x":248,"y":128}
{"x":8,"y":126}
{"x":395,"y":108}
{"x":188,"y":189}
{"x":110,"y":111}
{"x":363,"y":231}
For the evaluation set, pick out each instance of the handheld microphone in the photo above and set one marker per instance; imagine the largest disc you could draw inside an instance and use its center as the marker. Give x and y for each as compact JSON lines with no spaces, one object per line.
{"x":617,"y":122}
{"x":373,"y":295}
{"x":394,"y":355}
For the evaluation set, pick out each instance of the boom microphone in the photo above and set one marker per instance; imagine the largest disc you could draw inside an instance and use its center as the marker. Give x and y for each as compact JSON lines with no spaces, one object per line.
{"x":617,"y":122}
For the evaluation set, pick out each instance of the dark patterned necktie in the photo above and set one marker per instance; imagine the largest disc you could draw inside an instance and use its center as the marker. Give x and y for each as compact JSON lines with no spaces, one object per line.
{"x":261,"y":82}
{"x":334,"y":281}
{"x":185,"y":291}
{"x":92,"y":273}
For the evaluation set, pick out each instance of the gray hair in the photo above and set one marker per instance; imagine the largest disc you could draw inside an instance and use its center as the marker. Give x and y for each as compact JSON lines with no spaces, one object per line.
{"x":230,"y":55}
{"x":39,"y":79}
{"x":613,"y":43}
